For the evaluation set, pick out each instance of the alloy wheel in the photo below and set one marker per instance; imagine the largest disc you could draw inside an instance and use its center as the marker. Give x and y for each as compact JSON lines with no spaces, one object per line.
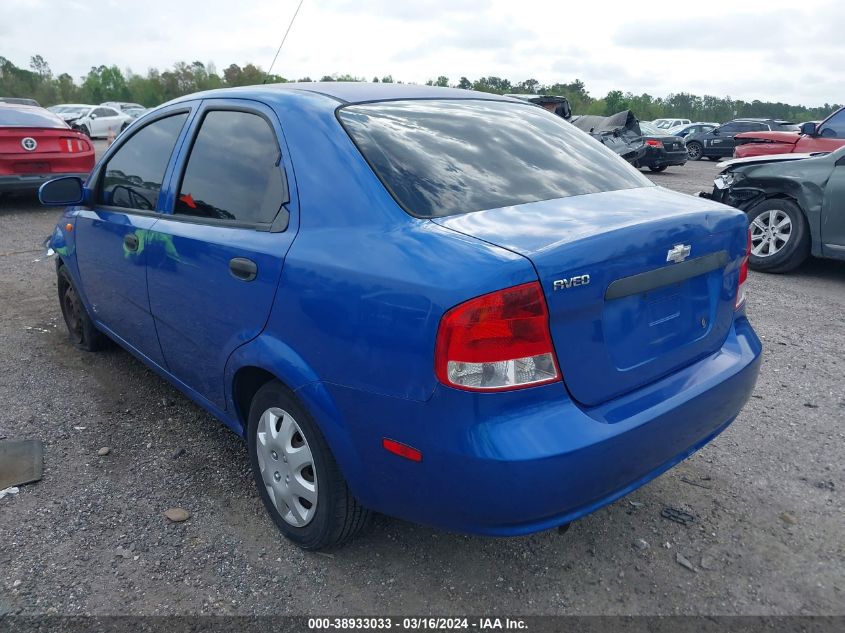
{"x":770,"y":231}
{"x":287,"y":466}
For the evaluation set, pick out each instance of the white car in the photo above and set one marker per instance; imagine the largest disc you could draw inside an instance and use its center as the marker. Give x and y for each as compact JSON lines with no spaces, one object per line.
{"x":665,"y":124}
{"x":121,"y":105}
{"x":70,"y":111}
{"x":99,"y":121}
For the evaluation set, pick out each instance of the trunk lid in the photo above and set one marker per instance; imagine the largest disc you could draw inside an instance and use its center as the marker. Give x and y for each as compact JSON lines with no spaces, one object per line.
{"x":53,"y":140}
{"x":639,"y":316}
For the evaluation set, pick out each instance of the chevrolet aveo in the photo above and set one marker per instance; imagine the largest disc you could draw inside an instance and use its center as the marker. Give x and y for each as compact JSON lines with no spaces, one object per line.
{"x":446,"y":306}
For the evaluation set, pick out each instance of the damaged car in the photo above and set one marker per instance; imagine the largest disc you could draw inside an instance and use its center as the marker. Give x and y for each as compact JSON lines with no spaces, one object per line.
{"x":794,"y":204}
{"x":826,"y":136}
{"x":620,"y":132}
{"x":662,"y":149}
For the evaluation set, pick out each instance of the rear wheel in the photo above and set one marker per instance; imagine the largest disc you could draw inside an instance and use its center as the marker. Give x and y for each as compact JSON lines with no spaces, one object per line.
{"x":297,"y":477}
{"x":780,"y":237}
{"x":658,"y":167}
{"x":81,"y":330}
{"x":695,"y":150}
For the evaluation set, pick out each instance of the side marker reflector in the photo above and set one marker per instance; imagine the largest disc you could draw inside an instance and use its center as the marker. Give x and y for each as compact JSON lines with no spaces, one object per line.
{"x":403,"y":450}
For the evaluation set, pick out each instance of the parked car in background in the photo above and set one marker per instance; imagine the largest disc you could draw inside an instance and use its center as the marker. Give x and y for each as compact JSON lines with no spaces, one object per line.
{"x":136,"y":112}
{"x":20,"y":101}
{"x":99,"y":121}
{"x":436,"y":318}
{"x":620,"y":132}
{"x":36,"y":145}
{"x":122,"y":105}
{"x":826,"y":136}
{"x":719,"y":142}
{"x":70,"y":111}
{"x":662,"y":149}
{"x":794,"y":204}
{"x":691,"y":128}
{"x":665,"y":124}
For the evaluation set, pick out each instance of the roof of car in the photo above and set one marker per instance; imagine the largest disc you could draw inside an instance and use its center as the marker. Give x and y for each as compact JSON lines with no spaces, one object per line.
{"x":351,"y":91}
{"x":763,"y":119}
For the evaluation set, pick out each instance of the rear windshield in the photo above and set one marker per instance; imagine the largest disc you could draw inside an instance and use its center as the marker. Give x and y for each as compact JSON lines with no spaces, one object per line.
{"x":442,"y":158}
{"x":11,"y":116}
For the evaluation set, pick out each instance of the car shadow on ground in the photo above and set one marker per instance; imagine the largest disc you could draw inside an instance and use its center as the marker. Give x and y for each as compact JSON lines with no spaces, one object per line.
{"x":821,"y":269}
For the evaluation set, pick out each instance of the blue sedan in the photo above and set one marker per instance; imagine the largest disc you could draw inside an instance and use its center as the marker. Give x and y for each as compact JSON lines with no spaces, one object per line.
{"x":447,"y":306}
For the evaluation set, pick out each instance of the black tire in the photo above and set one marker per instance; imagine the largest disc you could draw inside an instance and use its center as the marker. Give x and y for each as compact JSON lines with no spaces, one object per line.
{"x":84,"y":129}
{"x":795,"y":250}
{"x":695,"y":150}
{"x":81,"y":330}
{"x":124,"y":126}
{"x":338,"y":515}
{"x":658,"y":168}
{"x":717,"y":158}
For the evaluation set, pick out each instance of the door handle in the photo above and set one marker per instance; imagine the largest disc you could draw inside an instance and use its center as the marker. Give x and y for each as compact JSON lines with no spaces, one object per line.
{"x":130,"y":241}
{"x":243,"y":268}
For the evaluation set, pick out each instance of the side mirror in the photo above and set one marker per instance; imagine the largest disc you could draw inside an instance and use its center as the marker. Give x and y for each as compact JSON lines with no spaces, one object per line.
{"x":715,"y":130}
{"x":92,"y":116}
{"x":808,"y":128}
{"x":61,"y":192}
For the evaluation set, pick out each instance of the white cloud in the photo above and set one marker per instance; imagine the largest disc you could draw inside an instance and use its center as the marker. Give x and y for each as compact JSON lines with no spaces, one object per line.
{"x":756,"y":49}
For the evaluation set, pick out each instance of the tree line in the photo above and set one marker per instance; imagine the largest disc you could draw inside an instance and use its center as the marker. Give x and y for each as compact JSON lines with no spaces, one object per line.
{"x":109,"y":83}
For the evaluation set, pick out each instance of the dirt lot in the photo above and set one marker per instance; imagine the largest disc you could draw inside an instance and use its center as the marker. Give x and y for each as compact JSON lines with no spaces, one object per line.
{"x":91,"y":536}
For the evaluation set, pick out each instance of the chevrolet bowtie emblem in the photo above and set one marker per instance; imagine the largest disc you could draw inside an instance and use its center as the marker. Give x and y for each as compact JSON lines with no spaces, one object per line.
{"x":678,"y":253}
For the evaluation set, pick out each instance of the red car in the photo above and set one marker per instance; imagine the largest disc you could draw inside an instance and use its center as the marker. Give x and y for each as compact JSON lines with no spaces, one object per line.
{"x":36,"y":145}
{"x":827,"y":136}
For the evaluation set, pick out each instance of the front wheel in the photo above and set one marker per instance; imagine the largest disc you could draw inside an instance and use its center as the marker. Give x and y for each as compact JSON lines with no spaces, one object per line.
{"x":297,"y":477}
{"x":695,"y":150}
{"x":780,"y":237}
{"x":658,"y":168}
{"x":80,"y":328}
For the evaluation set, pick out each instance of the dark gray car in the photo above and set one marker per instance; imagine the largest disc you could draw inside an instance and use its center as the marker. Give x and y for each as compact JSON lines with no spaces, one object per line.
{"x":795,"y":205}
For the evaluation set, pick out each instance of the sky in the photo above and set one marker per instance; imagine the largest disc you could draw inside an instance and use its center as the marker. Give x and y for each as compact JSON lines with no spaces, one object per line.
{"x":772,"y":50}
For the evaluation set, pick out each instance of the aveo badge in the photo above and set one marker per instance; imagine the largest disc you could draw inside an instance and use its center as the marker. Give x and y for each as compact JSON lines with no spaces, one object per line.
{"x":572,"y":282}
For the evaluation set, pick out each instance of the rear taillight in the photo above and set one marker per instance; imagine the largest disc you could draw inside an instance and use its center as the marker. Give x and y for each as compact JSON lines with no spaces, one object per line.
{"x":743,"y":275}
{"x":497,"y":341}
{"x":73,"y":144}
{"x":653,"y":142}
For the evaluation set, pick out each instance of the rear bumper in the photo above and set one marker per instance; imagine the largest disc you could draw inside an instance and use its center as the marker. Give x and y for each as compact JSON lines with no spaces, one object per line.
{"x":519,"y":462}
{"x":31,"y":182}
{"x":664,"y":159}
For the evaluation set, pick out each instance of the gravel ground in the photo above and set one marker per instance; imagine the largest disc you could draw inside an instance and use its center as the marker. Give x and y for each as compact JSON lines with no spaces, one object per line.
{"x":91,"y":537}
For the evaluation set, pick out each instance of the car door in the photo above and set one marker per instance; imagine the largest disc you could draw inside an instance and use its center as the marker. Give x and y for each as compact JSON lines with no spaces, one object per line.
{"x":218,"y":252}
{"x":113,"y":234}
{"x":716,"y":138}
{"x":833,"y":211}
{"x":98,"y":121}
{"x":111,"y":121}
{"x":829,"y":137}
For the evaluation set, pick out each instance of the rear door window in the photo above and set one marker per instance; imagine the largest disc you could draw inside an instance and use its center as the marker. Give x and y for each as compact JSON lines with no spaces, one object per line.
{"x":234,"y":171}
{"x":445,"y":157}
{"x":132,"y":178}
